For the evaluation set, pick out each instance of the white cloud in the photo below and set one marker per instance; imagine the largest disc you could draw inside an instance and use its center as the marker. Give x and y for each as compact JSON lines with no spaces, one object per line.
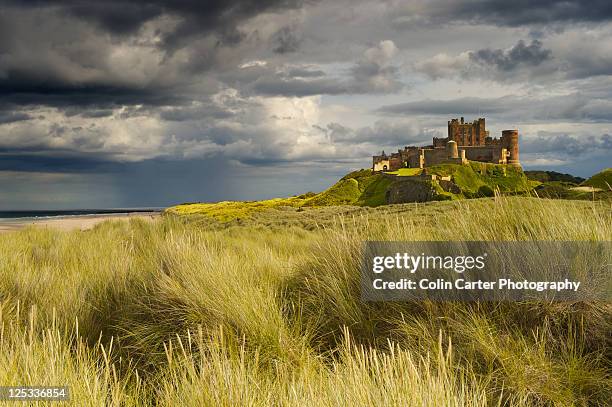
{"x":443,"y":65}
{"x":381,"y":54}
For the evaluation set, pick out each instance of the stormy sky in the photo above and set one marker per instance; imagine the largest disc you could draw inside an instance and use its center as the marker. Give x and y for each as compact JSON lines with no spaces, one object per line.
{"x":120,"y":103}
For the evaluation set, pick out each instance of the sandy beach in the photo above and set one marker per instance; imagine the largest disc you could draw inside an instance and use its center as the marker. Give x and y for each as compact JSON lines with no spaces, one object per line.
{"x":79,"y":222}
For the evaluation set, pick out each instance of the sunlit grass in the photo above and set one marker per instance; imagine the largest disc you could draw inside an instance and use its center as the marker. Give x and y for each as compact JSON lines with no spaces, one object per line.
{"x":267,"y":311}
{"x":229,"y":210}
{"x":406,"y":172}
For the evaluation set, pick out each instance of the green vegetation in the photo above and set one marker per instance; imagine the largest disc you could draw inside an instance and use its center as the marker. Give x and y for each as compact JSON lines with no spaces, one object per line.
{"x":550,"y":176}
{"x":365,"y":188}
{"x":374,"y":192}
{"x":601,"y":180}
{"x":229,"y":210}
{"x":481,"y":179}
{"x":406,"y":172}
{"x":356,"y":188}
{"x":595,"y":188}
{"x":361,"y":188}
{"x":266,"y":310}
{"x":561,"y":190}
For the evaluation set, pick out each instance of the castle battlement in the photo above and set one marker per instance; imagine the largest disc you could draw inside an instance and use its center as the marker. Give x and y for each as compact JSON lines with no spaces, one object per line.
{"x":465,"y":142}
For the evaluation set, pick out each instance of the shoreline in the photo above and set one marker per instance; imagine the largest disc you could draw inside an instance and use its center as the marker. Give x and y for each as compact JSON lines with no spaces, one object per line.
{"x":71,"y":222}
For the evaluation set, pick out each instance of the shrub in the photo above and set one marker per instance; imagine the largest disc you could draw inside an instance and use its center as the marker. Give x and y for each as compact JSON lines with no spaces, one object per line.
{"x":486,"y":191}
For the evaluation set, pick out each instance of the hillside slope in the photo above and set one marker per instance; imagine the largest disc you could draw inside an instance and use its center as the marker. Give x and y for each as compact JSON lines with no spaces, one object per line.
{"x":601,"y":180}
{"x":362,"y":188}
{"x":551,"y":176}
{"x":365,"y":188}
{"x":482,"y":179}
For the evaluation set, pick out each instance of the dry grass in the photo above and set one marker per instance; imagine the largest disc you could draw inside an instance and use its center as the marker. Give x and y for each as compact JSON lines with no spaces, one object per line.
{"x":267,"y":312}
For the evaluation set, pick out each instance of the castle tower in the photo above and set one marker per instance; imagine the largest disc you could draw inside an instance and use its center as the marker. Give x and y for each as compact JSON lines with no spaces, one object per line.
{"x":480,"y":132}
{"x":510,"y":140}
{"x":467,"y":134}
{"x":451,"y":149}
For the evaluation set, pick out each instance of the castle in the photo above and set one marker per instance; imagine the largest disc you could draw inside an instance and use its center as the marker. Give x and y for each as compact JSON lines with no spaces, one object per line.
{"x":465,"y":142}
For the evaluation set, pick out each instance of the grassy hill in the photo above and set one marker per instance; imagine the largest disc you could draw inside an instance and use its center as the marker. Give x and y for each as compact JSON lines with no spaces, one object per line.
{"x":225,"y":211}
{"x":552,"y":176}
{"x":366,"y":188}
{"x":482,"y":179}
{"x":369,"y":189}
{"x":361,"y":188}
{"x":595,"y":188}
{"x":601,"y":180}
{"x":560,"y":190}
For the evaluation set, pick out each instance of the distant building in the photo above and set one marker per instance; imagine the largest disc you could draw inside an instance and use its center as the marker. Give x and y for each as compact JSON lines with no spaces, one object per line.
{"x":465,"y":142}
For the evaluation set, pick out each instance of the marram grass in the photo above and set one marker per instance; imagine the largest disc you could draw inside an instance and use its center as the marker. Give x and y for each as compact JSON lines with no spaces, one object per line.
{"x":186,"y":311}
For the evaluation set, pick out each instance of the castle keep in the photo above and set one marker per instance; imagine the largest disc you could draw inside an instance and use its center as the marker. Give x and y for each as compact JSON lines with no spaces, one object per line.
{"x":465,"y":142}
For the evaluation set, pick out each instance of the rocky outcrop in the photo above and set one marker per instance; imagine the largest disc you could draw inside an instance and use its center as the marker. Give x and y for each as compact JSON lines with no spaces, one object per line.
{"x":410,"y":189}
{"x":450,"y":186}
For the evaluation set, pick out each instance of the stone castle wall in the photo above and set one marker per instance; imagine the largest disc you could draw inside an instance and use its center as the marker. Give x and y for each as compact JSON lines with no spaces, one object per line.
{"x":491,"y":154}
{"x":465,"y":141}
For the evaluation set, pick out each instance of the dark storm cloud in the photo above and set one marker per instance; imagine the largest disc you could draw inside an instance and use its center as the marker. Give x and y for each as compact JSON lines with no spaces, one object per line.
{"x":286,"y":40}
{"x":11,"y":117}
{"x":505,"y":13}
{"x":520,"y":54}
{"x":23,"y":90}
{"x":117,"y":17}
{"x":39,"y":160}
{"x":61,"y":60}
{"x":44,"y":66}
{"x":121,"y":17}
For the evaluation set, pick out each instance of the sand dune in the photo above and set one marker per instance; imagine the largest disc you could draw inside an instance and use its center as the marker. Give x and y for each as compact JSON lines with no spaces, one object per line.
{"x":80,"y":222}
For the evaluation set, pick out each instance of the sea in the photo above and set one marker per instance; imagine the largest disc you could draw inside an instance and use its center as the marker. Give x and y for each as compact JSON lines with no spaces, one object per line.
{"x":63,"y":213}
